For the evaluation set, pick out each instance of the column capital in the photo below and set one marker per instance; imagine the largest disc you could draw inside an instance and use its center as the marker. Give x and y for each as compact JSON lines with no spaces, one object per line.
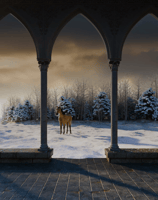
{"x":43,"y":65}
{"x":114,"y":64}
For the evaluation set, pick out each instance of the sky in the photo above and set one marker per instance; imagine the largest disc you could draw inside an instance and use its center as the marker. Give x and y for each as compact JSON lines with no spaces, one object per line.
{"x":78,"y":53}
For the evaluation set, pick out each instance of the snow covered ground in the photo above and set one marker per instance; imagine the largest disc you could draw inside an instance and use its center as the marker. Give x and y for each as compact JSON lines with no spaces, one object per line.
{"x":88,"y":139}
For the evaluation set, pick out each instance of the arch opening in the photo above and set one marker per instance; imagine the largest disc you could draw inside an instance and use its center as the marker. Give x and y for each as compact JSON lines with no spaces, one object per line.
{"x":139,"y":67}
{"x":18,"y":76}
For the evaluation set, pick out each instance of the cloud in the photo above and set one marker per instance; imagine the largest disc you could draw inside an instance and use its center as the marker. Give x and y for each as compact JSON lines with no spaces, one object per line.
{"x":78,"y":52}
{"x":143,"y":36}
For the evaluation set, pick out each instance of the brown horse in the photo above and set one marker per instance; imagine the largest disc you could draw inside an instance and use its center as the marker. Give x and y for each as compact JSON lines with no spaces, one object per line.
{"x":63,"y":119}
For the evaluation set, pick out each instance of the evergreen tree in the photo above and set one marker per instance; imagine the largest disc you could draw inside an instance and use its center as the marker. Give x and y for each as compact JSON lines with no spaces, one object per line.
{"x":146,"y":106}
{"x":66,"y":107}
{"x":49,"y":115}
{"x":102,"y":106}
{"x":155,"y":114}
{"x":131,"y":106}
{"x":9,"y":114}
{"x":88,"y":115}
{"x":19,"y":113}
{"x":28,"y":111}
{"x":75,"y":105}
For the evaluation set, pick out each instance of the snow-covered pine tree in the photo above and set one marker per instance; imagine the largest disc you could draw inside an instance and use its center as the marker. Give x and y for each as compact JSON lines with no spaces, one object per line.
{"x":102,"y":106}
{"x":28,"y":111}
{"x":9,"y":114}
{"x":19,"y":113}
{"x":66,"y":106}
{"x":146,"y":106}
{"x":155,"y":114}
{"x":74,"y":104}
{"x":88,"y":115}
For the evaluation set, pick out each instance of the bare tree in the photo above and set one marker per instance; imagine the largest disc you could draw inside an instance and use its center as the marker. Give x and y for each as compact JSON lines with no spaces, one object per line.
{"x":36,"y":101}
{"x":154,"y":85}
{"x":106,"y":87}
{"x":54,"y":99}
{"x":83,"y":98}
{"x":13,"y":101}
{"x":91,"y":96}
{"x":124,"y":92}
{"x":76,"y":89}
{"x":49,"y":99}
{"x":138,"y":88}
{"x":65,"y":92}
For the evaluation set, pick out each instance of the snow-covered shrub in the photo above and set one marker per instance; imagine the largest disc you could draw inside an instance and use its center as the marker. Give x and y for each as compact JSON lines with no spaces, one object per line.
{"x":8,"y":115}
{"x":146,"y":107}
{"x":66,"y":106}
{"x":102,"y":106}
{"x":19,"y":113}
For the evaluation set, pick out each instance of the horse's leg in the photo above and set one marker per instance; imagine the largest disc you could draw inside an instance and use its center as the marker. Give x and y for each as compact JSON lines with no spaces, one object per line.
{"x":60,"y":127}
{"x":67,"y":128}
{"x":64,"y":128}
{"x":70,"y":127}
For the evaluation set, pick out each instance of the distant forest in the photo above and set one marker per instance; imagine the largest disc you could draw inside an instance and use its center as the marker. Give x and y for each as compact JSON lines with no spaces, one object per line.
{"x":88,"y":102}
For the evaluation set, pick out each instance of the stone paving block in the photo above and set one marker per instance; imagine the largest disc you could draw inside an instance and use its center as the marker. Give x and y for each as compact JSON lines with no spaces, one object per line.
{"x":124,"y":193}
{"x":85,"y":188}
{"x":98,"y":194}
{"x":72,"y":195}
{"x":86,"y":195}
{"x":112,"y":194}
{"x":59,"y":196}
{"x":99,"y":198}
{"x":96,"y":187}
{"x":60,"y":188}
{"x":74,"y":188}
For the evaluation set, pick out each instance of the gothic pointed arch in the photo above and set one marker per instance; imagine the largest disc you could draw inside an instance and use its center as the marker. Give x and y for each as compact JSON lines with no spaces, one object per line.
{"x":134,"y":20}
{"x":22,"y":20}
{"x":90,"y":18}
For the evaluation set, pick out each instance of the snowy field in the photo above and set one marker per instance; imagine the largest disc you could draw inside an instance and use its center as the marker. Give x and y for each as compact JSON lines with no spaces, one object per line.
{"x":88,"y":139}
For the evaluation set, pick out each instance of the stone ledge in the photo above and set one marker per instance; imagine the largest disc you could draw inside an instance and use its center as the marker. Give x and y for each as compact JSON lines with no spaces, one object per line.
{"x":25,"y":156}
{"x":132,"y":156}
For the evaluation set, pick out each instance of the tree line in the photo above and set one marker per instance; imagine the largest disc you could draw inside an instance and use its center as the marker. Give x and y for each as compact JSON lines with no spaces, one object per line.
{"x":88,"y":102}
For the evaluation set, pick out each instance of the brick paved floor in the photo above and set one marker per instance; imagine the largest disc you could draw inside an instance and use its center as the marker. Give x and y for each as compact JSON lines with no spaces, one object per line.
{"x":74,"y":179}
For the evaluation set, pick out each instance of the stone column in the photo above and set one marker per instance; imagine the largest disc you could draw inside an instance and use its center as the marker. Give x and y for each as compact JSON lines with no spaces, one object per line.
{"x":114,"y":107}
{"x":43,"y":65}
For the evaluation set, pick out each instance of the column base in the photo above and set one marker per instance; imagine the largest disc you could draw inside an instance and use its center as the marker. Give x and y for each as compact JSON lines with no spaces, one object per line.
{"x":114,"y":148}
{"x":44,"y":148}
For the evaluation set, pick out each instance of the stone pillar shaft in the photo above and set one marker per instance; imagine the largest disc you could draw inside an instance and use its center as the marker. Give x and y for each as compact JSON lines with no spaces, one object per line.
{"x":43,"y":65}
{"x":114,"y":106}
